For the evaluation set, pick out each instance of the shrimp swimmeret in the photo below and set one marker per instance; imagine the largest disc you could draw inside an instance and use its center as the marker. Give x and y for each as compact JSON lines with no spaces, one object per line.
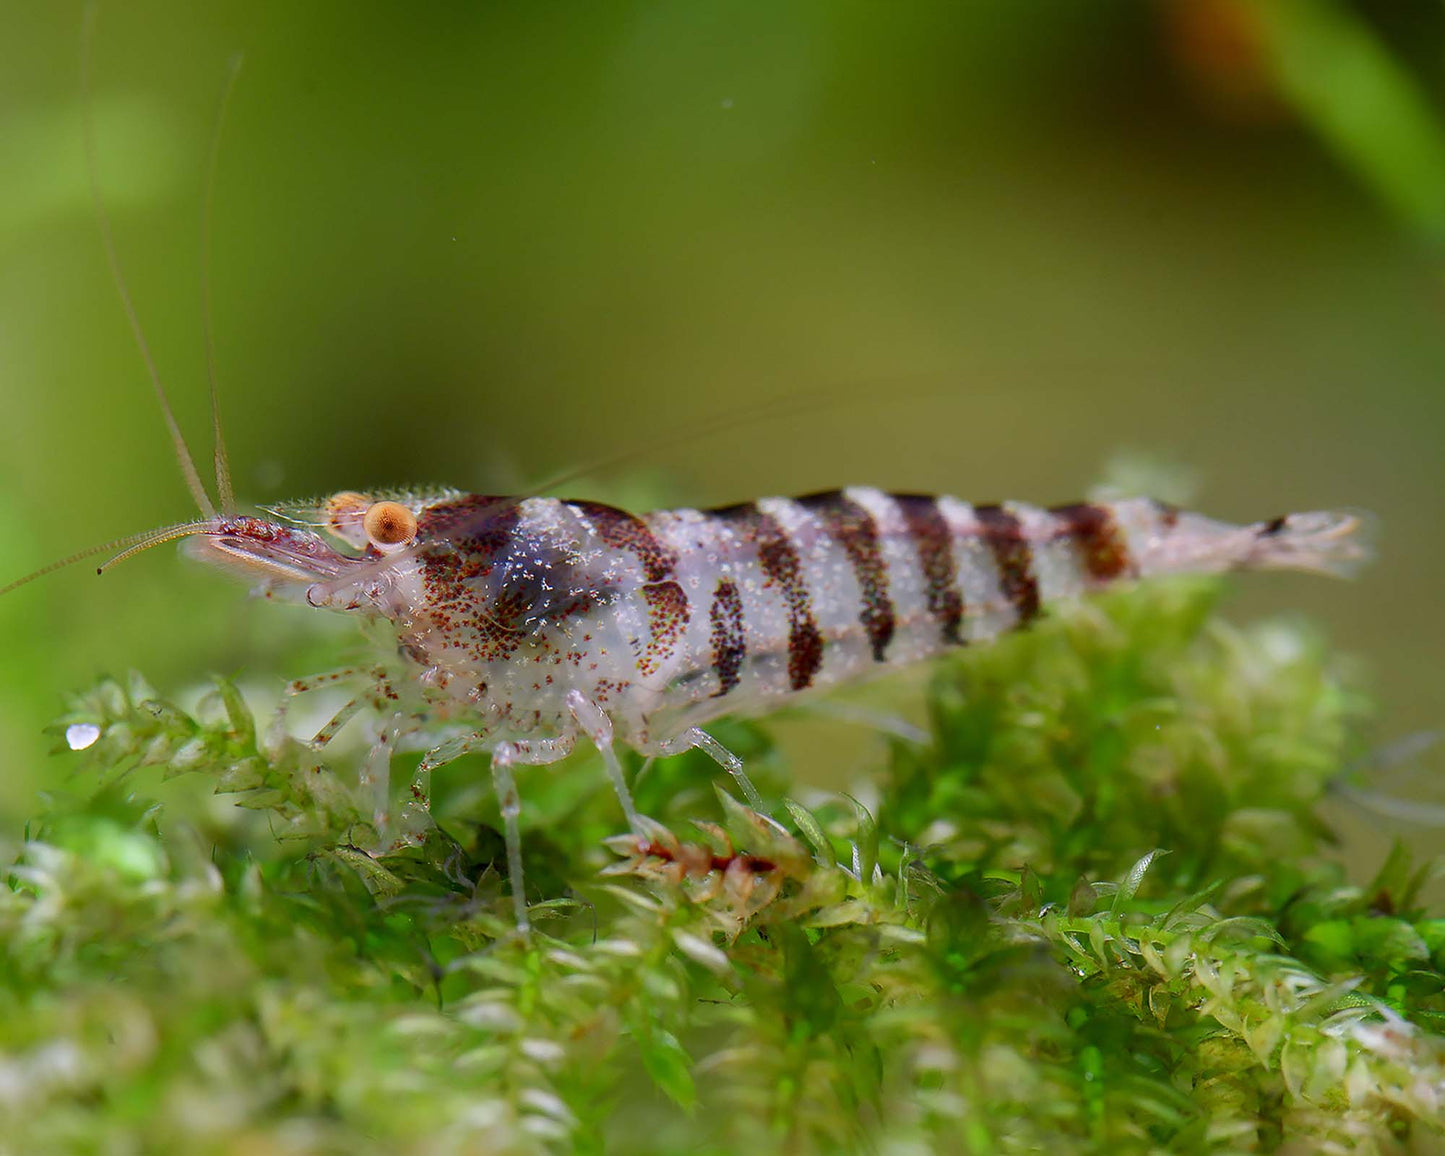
{"x":534,"y":622}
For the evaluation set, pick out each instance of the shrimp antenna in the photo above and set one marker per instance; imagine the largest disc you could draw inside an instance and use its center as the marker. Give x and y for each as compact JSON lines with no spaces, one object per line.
{"x":183,"y":453}
{"x":224,"y":491}
{"x":133,"y":544}
{"x":130,"y":547}
{"x":787,"y":405}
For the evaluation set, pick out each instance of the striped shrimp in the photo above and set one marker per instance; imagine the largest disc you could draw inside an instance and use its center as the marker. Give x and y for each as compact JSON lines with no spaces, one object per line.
{"x":536,"y":622}
{"x":527,"y":624}
{"x":530,"y":623}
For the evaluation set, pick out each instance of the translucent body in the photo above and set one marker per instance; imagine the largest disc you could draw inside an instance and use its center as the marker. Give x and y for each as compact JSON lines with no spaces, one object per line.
{"x":528,"y":624}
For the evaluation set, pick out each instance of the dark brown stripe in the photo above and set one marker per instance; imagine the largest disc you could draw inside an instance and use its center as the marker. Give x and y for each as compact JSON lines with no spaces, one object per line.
{"x":779,"y":562}
{"x":854,"y":527}
{"x":1015,"y":557}
{"x":668,"y":613}
{"x":729,"y":643}
{"x":484,"y":522}
{"x":1102,"y":548}
{"x":1273,"y":526}
{"x":479,"y":529}
{"x":624,"y":531}
{"x":929,"y":530}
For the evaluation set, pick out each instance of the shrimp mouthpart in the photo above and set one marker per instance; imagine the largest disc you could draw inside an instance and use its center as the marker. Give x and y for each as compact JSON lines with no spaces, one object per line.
{"x":268,"y":550}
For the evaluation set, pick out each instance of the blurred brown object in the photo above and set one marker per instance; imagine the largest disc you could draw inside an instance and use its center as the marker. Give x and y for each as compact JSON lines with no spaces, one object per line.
{"x":1218,"y":51}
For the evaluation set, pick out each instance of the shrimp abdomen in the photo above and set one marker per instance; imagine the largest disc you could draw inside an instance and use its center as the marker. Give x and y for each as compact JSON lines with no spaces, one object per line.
{"x":792,"y":594}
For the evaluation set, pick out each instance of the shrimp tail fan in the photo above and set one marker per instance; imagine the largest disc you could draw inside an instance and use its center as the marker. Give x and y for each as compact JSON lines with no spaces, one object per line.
{"x":1333,"y":542}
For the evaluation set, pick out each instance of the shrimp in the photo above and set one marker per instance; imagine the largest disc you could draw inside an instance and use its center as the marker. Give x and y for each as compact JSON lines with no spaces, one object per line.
{"x":526,"y":624}
{"x":535,"y":622}
{"x":538,"y":621}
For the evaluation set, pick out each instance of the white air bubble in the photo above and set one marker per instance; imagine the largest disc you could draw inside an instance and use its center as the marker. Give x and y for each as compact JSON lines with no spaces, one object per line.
{"x":78,"y":736}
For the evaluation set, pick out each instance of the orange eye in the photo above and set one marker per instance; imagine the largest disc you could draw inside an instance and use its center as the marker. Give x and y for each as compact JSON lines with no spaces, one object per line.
{"x":389,"y":525}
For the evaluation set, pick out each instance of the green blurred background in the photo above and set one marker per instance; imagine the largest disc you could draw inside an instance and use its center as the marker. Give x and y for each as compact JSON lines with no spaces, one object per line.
{"x":992,"y":246}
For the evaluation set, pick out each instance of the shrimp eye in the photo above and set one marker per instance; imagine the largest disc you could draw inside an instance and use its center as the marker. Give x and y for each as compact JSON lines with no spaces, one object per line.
{"x":389,"y":525}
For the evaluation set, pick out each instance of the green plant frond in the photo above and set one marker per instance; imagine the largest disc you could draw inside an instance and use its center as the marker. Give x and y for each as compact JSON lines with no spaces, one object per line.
{"x":999,"y":956}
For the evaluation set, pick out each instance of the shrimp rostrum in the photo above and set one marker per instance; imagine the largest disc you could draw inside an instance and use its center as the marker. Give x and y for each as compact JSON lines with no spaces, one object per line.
{"x":537,"y":622}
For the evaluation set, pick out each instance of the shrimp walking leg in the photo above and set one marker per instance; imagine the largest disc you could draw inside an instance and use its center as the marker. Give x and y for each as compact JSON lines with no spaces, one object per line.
{"x":699,"y":738}
{"x":377,"y":695}
{"x":451,"y":750}
{"x":505,"y":755}
{"x":598,"y":727}
{"x":416,"y":810}
{"x":348,"y":711}
{"x":895,"y":726}
{"x":276,"y":734}
{"x":375,"y":779}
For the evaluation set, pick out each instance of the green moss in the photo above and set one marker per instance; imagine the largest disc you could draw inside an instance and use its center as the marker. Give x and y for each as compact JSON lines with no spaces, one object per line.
{"x":1096,"y":913}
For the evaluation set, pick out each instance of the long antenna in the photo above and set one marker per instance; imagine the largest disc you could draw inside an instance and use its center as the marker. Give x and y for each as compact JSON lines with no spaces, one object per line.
{"x":154,"y":538}
{"x":861,"y":392}
{"x":224,"y":491}
{"x":126,"y":547}
{"x":865,"y":392}
{"x":183,"y":454}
